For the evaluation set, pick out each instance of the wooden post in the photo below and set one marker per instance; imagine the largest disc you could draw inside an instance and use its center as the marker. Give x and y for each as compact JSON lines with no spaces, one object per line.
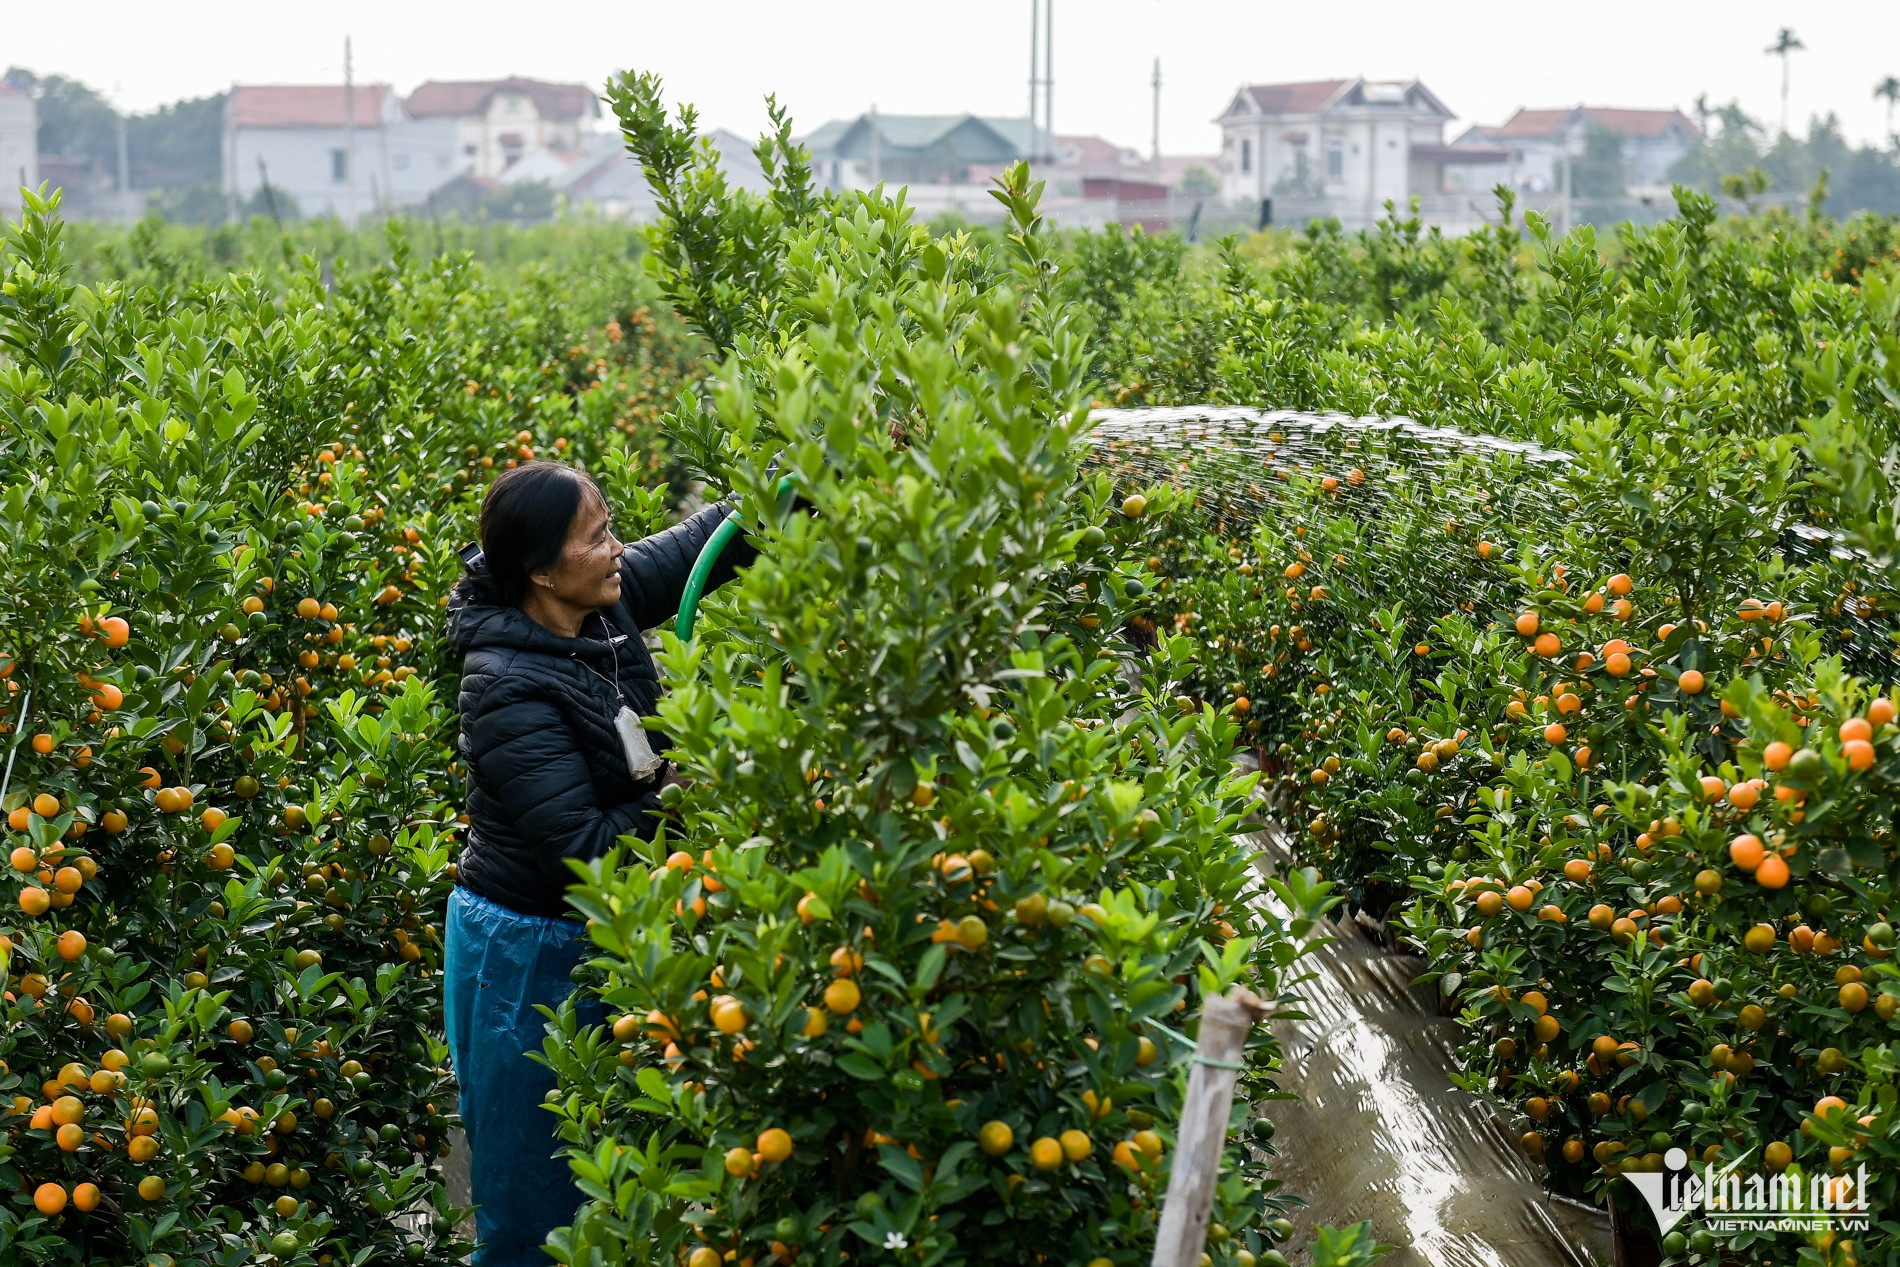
{"x":1225,"y":1021}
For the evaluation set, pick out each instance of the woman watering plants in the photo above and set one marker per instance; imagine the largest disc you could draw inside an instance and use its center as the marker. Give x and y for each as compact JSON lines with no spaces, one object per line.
{"x":555,"y":675}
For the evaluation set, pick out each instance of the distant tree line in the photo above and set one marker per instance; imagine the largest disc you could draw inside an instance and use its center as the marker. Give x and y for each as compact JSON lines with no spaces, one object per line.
{"x":1738,"y":156}
{"x":173,"y":152}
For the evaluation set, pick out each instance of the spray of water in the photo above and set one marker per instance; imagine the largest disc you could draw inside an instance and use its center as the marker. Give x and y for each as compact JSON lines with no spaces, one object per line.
{"x":1418,"y":523}
{"x":1428,"y":495}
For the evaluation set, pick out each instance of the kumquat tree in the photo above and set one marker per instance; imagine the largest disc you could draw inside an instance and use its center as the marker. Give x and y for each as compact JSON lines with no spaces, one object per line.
{"x":914,"y":971}
{"x":1536,"y":591}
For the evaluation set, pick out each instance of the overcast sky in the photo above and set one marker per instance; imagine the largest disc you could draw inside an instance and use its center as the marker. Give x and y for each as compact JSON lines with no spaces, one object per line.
{"x":833,"y":58}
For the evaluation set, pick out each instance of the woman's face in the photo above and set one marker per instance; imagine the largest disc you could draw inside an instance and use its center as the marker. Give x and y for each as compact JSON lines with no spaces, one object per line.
{"x":588,"y":574}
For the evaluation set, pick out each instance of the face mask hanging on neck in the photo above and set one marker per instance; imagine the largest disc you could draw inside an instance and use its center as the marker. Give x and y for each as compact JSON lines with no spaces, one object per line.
{"x":642,"y":764}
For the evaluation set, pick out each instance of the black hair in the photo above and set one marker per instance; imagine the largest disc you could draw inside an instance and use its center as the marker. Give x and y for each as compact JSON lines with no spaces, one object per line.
{"x":525,"y":519}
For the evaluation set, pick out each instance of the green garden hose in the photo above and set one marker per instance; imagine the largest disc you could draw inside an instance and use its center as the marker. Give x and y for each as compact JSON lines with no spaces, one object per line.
{"x":703,"y":565}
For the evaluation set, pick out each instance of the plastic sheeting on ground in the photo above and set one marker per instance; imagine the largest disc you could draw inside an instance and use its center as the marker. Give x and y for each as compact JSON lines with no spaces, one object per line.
{"x":1379,"y":1132}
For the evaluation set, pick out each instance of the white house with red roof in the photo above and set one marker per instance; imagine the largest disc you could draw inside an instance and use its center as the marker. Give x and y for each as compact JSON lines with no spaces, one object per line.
{"x":1535,"y":143}
{"x":366,"y":150}
{"x":19,"y":147}
{"x":1333,"y":147}
{"x":332,"y":153}
{"x":500,"y":122}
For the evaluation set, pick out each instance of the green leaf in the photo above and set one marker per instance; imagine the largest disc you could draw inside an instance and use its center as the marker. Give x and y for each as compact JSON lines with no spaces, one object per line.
{"x":862,"y":1067}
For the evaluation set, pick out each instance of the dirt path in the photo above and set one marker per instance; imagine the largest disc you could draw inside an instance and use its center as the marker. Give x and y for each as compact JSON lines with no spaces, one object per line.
{"x":1379,"y":1132}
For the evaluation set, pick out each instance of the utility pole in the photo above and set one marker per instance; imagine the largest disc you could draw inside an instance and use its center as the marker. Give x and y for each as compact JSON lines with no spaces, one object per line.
{"x":384,"y":201}
{"x":230,"y":163}
{"x":1049,"y":75}
{"x":125,"y":166}
{"x":1157,"y":121}
{"x":125,"y":175}
{"x":877,"y":171}
{"x":1035,"y":31}
{"x":349,"y":135}
{"x":1570,"y":162}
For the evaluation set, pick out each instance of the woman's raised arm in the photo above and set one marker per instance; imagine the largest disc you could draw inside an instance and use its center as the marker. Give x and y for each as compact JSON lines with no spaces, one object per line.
{"x":653,"y":570}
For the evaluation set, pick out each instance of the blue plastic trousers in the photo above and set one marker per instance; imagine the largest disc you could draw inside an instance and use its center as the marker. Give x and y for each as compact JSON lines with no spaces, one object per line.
{"x":499,"y":965}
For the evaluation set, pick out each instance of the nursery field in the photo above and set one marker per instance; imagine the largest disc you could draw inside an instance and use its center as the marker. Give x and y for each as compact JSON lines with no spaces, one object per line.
{"x":1578,"y":684}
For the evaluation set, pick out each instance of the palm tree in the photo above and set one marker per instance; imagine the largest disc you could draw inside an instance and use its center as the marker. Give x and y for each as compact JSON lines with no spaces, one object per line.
{"x":1786,"y":42}
{"x":1889,"y":90}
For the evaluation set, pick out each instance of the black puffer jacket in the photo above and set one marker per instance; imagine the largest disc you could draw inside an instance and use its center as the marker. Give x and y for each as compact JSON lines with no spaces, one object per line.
{"x":547,"y":774}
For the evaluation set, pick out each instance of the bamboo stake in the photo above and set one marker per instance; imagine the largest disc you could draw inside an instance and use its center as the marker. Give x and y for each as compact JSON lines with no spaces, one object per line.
{"x":1225,"y":1021}
{"x":13,"y":749}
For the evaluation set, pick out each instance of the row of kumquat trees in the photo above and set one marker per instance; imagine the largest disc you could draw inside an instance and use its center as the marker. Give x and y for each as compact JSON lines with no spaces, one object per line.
{"x":1606,"y":731}
{"x":228,"y":521}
